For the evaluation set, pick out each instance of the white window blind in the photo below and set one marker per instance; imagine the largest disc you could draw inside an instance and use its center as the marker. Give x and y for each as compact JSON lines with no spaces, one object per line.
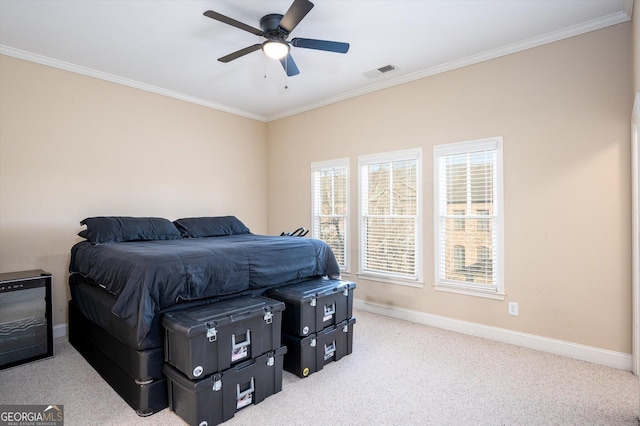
{"x":468,"y":228}
{"x":390,"y":224}
{"x":330,"y":206}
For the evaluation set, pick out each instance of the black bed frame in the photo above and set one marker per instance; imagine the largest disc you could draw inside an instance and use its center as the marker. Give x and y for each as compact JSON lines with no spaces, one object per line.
{"x":135,"y":375}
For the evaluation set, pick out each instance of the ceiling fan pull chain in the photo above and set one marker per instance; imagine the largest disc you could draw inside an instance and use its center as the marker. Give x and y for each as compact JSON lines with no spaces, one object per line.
{"x":286,"y":72}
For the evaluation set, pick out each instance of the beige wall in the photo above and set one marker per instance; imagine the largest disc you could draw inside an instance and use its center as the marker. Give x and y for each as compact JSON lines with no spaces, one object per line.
{"x":563,"y":110}
{"x":72,"y":146}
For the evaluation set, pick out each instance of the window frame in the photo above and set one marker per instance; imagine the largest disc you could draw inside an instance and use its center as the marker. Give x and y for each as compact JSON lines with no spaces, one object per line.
{"x":455,"y":286}
{"x":333,"y":164}
{"x":388,"y":157}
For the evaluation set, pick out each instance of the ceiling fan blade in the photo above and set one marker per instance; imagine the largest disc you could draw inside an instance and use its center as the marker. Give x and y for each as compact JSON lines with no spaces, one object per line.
{"x":225,"y":19}
{"x":329,"y":46}
{"x":289,"y":65}
{"x":297,"y":11}
{"x":235,"y":55}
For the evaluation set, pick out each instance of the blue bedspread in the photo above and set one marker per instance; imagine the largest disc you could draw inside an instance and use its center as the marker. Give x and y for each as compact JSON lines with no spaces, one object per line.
{"x":148,"y":276}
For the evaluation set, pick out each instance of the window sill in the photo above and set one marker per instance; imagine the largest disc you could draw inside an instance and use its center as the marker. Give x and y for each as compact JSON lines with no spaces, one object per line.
{"x":478,"y":293}
{"x":390,"y":280}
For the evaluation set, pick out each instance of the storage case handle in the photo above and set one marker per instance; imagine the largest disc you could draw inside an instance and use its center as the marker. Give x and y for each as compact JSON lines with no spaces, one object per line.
{"x":246,"y":342}
{"x":245,"y":392}
{"x":330,"y":309}
{"x":329,"y":350}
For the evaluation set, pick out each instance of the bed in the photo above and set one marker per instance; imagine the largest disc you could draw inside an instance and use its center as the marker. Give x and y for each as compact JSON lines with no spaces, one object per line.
{"x":130,"y":271}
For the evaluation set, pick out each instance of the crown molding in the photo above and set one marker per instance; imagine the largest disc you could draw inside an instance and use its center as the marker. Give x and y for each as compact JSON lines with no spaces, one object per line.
{"x":44,"y":60}
{"x":596,"y":24}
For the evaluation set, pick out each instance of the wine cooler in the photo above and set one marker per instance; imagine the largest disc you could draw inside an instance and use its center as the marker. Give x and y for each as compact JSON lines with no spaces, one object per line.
{"x":26,"y":330}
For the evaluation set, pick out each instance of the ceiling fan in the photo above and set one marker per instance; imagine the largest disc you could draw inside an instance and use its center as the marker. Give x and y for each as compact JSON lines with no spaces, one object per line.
{"x":276,"y":29}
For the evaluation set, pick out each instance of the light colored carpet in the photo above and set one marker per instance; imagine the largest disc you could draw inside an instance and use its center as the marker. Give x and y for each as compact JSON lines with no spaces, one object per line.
{"x":399,"y":373}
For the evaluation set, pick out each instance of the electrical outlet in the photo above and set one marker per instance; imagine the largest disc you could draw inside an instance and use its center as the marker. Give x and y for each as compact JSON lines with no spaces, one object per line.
{"x":513,"y":308}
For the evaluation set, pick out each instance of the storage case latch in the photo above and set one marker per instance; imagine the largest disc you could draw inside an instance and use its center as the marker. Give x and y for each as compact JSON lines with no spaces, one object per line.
{"x":271,"y":360}
{"x":212,"y":333}
{"x":345,"y":293}
{"x":314,"y":301}
{"x":217,"y":382}
{"x":268,"y":317}
{"x":313,"y":343}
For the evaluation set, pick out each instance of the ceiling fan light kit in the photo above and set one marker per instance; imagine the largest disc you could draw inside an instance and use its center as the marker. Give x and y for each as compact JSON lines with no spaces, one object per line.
{"x":276,"y":29}
{"x":275,"y":49}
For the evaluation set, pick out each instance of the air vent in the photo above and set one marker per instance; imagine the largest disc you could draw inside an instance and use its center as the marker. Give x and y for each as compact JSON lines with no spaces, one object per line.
{"x":386,"y":68}
{"x":379,"y":71}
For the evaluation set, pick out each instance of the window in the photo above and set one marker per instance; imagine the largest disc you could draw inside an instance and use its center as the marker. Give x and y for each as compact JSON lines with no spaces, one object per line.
{"x":459,"y":223}
{"x":390,"y":216}
{"x":468,"y":186}
{"x":483,"y":254}
{"x":481,"y":223}
{"x":330,"y":206}
{"x":458,"y":257}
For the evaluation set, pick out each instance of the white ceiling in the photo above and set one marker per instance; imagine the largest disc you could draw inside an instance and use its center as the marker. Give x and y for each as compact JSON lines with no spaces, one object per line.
{"x":169,"y":47}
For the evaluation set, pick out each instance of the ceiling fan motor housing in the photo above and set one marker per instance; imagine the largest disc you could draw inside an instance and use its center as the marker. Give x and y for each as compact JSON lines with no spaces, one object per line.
{"x":270,"y":25}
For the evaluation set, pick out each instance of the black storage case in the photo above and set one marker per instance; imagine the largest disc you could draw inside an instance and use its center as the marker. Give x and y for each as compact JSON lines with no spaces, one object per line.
{"x":306,"y":355}
{"x":211,"y":338}
{"x":216,"y":398}
{"x":314,"y":305}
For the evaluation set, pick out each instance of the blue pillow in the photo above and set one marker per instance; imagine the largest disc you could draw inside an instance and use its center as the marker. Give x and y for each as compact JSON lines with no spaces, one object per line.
{"x":199,"y":227}
{"x":115,"y":229}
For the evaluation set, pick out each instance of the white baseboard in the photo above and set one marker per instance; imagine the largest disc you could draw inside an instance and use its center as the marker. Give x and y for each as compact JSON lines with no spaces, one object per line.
{"x":60,"y":330}
{"x":592,"y":354}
